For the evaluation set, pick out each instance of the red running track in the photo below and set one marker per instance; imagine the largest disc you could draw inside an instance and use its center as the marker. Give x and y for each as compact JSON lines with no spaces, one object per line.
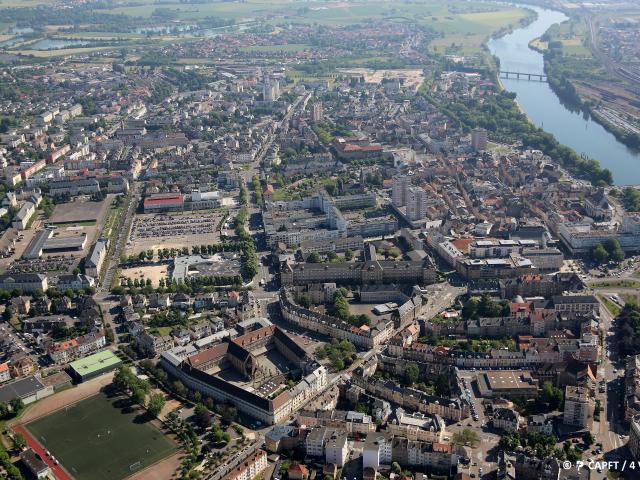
{"x":57,"y":470}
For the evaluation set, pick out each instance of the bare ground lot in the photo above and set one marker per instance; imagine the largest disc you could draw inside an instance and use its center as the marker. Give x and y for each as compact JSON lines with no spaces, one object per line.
{"x":155,"y":273}
{"x":79,"y":211}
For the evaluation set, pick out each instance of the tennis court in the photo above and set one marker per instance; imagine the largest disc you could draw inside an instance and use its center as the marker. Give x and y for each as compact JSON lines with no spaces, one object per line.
{"x":98,"y":439}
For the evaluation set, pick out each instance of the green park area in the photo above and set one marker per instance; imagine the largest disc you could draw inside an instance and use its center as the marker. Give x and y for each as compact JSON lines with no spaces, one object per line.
{"x":79,"y":436}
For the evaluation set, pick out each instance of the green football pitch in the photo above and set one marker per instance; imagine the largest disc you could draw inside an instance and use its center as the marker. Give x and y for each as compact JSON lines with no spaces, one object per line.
{"x":96,"y":439}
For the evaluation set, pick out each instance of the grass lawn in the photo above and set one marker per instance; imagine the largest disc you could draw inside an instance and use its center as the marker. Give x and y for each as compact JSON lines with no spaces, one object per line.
{"x":612,"y":307}
{"x":617,"y":283}
{"x":102,"y":438}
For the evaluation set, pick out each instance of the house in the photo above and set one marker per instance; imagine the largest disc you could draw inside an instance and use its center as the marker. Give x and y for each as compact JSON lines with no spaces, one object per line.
{"x":153,"y":344}
{"x":93,"y":262}
{"x":5,"y":373}
{"x":63,"y":352}
{"x":21,"y":219}
{"x":21,"y":305}
{"x":75,"y":282}
{"x":23,"y":366}
{"x":298,"y":472}
{"x":26,"y":282}
{"x":250,"y":467}
{"x":158,"y":300}
{"x":540,"y":424}
{"x":505,"y":419}
{"x":35,"y":464}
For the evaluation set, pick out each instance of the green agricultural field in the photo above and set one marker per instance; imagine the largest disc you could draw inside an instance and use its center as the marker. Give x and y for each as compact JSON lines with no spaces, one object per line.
{"x":101,"y":439}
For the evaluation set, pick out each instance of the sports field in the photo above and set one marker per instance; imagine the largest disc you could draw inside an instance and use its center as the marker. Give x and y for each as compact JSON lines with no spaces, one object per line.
{"x":100,"y":439}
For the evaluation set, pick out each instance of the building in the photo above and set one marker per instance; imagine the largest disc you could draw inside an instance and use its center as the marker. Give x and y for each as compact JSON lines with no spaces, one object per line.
{"x":420,"y":272}
{"x":578,"y":407}
{"x":155,"y":344}
{"x":399,"y":187}
{"x":75,"y":282}
{"x":479,"y":139}
{"x":271,"y":404}
{"x":634,"y":437}
{"x":540,"y":424}
{"x":336,"y":449}
{"x":580,"y":304}
{"x":507,"y":383}
{"x":417,"y":426}
{"x":35,"y":464}
{"x":22,"y":218}
{"x":581,"y":237}
{"x":26,"y":282}
{"x":441,"y":457}
{"x":46,"y":242}
{"x":631,"y":387}
{"x":249,"y":467}
{"x":63,"y":352}
{"x":164,"y":202}
{"x":377,"y":450}
{"x":350,"y":421}
{"x":317,"y":112}
{"x":28,"y":389}
{"x":417,"y":203}
{"x":94,"y":365}
{"x":73,"y":187}
{"x":334,"y":327}
{"x":5,"y":373}
{"x":505,"y":419}
{"x":93,"y":262}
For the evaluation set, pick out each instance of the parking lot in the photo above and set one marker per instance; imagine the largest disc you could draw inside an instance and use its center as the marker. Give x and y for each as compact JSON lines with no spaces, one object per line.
{"x":173,"y":231}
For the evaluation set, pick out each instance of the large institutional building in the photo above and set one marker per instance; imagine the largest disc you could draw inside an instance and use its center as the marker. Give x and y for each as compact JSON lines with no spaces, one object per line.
{"x":264,"y":394}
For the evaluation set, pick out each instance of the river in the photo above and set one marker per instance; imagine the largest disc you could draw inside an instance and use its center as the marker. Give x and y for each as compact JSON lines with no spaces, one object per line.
{"x":543,"y":106}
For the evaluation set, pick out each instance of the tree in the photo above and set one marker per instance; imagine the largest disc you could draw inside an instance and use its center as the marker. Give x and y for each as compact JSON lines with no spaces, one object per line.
{"x":588,"y":438}
{"x":509,"y":441}
{"x":19,"y":442}
{"x":599,"y":254}
{"x":395,"y":468}
{"x":348,"y":254}
{"x":552,"y":396}
{"x":304,"y":300}
{"x":122,"y":379}
{"x":16,"y":405}
{"x":466,"y":436}
{"x":614,"y":249}
{"x":156,"y":404}
{"x":138,"y":396}
{"x":4,"y":410}
{"x":179,"y":388}
{"x":411,"y":374}
{"x":202,"y":416}
{"x":314,"y":258}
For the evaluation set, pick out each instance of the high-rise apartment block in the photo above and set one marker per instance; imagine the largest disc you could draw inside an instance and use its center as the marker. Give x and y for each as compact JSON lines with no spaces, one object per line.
{"x":479,"y":139}
{"x":399,"y":189}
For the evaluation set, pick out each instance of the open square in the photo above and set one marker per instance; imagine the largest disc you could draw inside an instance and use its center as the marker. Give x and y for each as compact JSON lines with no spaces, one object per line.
{"x":100,"y":438}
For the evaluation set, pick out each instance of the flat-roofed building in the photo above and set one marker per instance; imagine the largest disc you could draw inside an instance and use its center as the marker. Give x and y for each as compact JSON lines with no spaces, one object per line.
{"x":29,"y":389}
{"x":507,"y":383}
{"x":578,"y":407}
{"x":164,"y":202}
{"x":94,"y":365}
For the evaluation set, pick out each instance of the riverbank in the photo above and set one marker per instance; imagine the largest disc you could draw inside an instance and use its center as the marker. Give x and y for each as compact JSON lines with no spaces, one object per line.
{"x":544,"y":109}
